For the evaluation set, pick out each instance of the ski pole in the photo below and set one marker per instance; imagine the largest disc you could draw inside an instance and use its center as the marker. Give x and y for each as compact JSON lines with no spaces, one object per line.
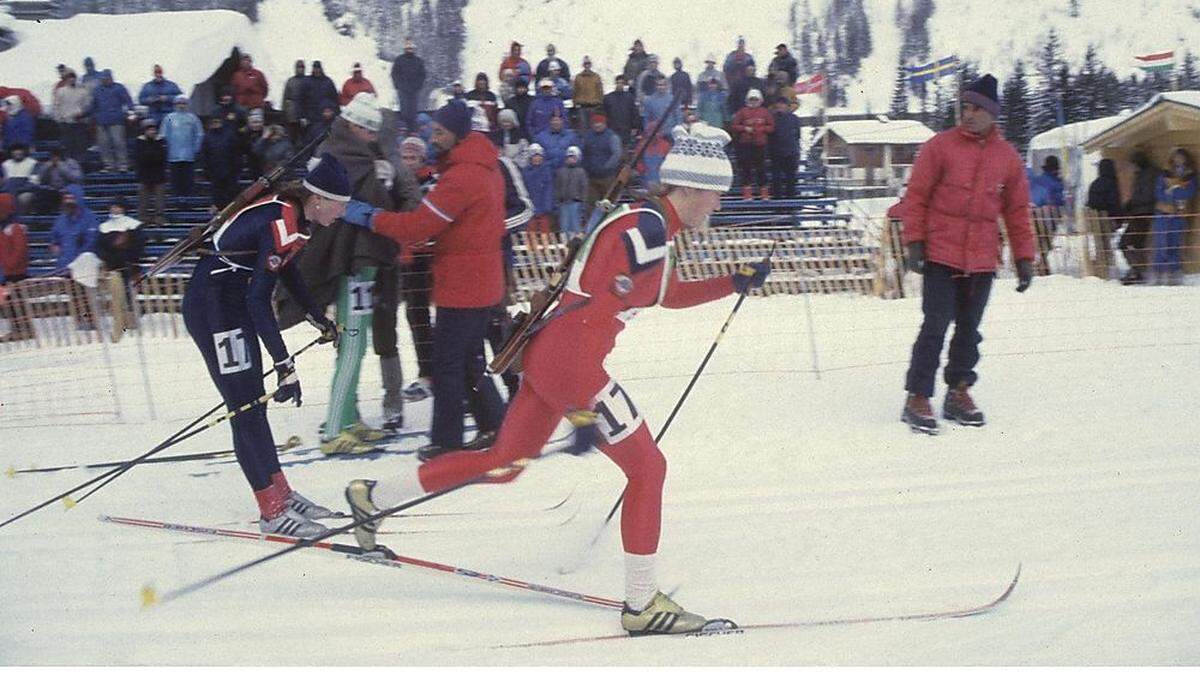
{"x":500,"y":475}
{"x":266,"y":397}
{"x":566,"y":569}
{"x":176,"y":438}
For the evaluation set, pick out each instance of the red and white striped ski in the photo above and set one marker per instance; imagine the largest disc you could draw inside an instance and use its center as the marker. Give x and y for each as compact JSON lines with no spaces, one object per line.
{"x":358,"y":554}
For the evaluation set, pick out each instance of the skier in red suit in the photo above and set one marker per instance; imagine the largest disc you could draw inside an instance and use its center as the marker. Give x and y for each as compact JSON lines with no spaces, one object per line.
{"x":624,"y":265}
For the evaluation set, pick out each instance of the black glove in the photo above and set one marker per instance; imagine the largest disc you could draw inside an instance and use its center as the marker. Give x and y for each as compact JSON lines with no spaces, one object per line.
{"x":329,"y":329}
{"x":915,"y":261}
{"x":751,"y":275}
{"x":1024,"y":274}
{"x":289,"y":383}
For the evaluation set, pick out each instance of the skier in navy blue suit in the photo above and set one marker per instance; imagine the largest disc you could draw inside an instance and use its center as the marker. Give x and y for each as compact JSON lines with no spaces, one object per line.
{"x":227,"y":310}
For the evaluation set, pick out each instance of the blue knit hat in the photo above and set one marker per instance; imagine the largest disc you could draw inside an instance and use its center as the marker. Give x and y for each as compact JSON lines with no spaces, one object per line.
{"x":455,"y":116}
{"x":329,"y":179}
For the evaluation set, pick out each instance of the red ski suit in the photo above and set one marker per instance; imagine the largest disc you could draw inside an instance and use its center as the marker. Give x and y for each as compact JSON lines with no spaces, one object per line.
{"x":624,"y":266}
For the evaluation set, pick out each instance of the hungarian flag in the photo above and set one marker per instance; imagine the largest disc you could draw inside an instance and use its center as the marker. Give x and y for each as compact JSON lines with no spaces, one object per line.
{"x":813,"y":85}
{"x":1162,"y":62}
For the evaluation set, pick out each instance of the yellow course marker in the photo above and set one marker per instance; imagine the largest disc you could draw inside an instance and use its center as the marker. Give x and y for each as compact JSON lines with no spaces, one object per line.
{"x":68,"y":503}
{"x":11,"y":472}
{"x":149,"y":596}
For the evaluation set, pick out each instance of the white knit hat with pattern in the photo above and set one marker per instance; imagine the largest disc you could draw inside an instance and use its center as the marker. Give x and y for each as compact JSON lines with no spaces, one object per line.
{"x":363,"y":111}
{"x":698,"y":159}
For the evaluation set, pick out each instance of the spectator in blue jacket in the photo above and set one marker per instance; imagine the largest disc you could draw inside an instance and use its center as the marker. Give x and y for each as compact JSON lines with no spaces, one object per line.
{"x":545,"y":105}
{"x":658,"y":104}
{"x":183,"y":133}
{"x":110,"y":102}
{"x":783,"y":147}
{"x":18,"y":126}
{"x":556,"y":140}
{"x":321,"y":93}
{"x":539,"y":182}
{"x":1047,"y":189}
{"x":75,"y":230}
{"x":601,"y":157}
{"x":91,"y":76}
{"x":159,"y":95}
{"x":220,"y":155}
{"x":712,"y":103}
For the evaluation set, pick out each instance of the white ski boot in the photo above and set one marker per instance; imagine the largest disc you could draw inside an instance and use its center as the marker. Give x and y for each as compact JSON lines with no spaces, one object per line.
{"x":310,"y":509}
{"x":292,"y":524}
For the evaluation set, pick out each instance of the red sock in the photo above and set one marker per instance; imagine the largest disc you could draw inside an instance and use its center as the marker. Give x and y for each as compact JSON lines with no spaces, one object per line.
{"x":271,"y":502}
{"x":279,"y":482}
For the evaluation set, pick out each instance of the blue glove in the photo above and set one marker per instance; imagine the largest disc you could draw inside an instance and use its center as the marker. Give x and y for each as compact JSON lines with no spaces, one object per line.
{"x":359,"y":213}
{"x":289,"y":383}
{"x":751,"y":275}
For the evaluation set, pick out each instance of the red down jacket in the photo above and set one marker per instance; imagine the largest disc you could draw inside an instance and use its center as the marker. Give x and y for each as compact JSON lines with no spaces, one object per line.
{"x":961,"y":185}
{"x":465,"y":214}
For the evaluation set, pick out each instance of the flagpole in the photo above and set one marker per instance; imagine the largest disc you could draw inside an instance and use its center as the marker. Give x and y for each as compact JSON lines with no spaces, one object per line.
{"x":824,"y":118}
{"x":958,"y":95}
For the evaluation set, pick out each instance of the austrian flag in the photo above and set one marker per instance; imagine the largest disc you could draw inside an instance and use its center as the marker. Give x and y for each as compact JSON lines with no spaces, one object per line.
{"x":1161,"y":62}
{"x":813,"y":85}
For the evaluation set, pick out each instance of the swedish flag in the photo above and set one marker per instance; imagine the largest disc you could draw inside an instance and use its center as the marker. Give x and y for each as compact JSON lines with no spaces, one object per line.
{"x":932,"y":70}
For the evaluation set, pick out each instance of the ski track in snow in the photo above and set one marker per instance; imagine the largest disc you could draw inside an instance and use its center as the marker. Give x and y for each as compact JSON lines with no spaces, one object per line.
{"x":787,"y":498}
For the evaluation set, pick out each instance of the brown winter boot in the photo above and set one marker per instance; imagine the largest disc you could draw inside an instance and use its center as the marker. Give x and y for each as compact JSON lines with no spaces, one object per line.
{"x":918,"y":414}
{"x":960,"y":407}
{"x":766,"y":193}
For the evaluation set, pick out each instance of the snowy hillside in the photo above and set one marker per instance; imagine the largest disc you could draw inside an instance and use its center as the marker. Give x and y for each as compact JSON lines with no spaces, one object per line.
{"x":189,"y":46}
{"x":788,"y":498}
{"x":988,"y":32}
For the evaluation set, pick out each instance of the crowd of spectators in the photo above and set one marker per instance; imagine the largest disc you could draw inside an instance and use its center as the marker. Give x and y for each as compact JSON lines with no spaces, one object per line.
{"x":566,"y":129}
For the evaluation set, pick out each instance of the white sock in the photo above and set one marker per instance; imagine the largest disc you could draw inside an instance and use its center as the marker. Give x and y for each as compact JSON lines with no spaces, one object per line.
{"x":396,"y":490}
{"x":640,"y":581}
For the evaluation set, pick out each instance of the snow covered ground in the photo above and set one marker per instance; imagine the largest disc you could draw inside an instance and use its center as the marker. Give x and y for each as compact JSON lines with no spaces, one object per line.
{"x":788,"y":497}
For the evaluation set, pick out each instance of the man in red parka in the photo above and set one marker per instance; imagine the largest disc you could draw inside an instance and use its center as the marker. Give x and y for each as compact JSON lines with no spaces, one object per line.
{"x":464,"y":214}
{"x":964,"y":180}
{"x":249,"y":84}
{"x":624,"y":265}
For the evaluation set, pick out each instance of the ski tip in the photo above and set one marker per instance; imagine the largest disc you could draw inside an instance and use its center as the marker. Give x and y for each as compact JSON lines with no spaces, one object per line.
{"x":11,"y":472}
{"x":149,"y":596}
{"x":69,"y":503}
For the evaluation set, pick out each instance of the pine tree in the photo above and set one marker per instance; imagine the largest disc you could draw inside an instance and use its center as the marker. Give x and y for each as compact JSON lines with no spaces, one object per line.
{"x":899,"y":105}
{"x":1073,"y":9}
{"x":451,"y":35}
{"x":1014,"y":113}
{"x":1047,"y":95}
{"x":1189,"y":76}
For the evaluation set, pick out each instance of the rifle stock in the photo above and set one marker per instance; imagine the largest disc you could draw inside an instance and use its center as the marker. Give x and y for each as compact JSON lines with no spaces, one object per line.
{"x":252,"y":192}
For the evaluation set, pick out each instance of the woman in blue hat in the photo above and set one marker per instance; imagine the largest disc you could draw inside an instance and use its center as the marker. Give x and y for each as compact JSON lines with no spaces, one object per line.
{"x":227,"y":310}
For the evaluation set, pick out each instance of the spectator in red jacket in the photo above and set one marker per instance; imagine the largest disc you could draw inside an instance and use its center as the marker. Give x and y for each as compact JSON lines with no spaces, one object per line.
{"x":751,"y":126}
{"x":14,"y":243}
{"x":465,"y":213}
{"x":519,"y":65}
{"x":964,"y":180}
{"x":249,"y":85}
{"x":357,"y":83}
{"x":14,"y":263}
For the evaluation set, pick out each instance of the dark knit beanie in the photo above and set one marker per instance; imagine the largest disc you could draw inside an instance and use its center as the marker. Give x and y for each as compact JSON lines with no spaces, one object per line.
{"x":455,"y":117}
{"x":982,"y":93}
{"x":329,"y":179}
